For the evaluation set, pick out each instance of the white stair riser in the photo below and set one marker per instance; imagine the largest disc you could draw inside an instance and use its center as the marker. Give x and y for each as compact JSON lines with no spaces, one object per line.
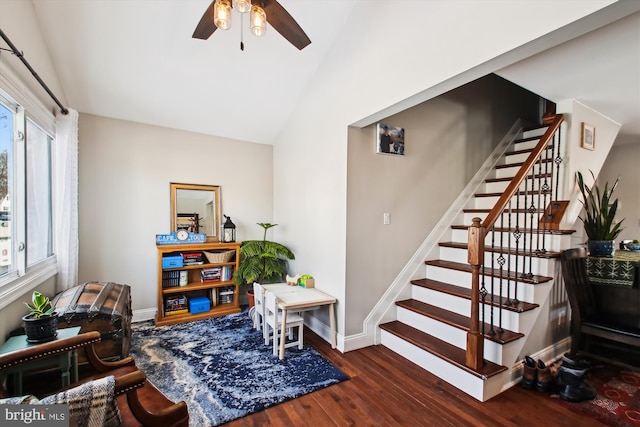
{"x":440,"y":299}
{"x":522,"y":157}
{"x":500,"y":186}
{"x":448,"y":333}
{"x":477,"y":388}
{"x":512,"y":171}
{"x":460,"y":255}
{"x":522,"y":201}
{"x":522,"y":219}
{"x":525,"y":145}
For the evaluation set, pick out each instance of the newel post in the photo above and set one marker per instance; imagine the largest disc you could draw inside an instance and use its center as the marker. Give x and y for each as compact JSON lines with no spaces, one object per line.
{"x":475,"y":340}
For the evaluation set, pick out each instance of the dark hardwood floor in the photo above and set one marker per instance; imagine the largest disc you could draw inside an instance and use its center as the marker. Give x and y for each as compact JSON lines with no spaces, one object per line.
{"x":385,"y":389}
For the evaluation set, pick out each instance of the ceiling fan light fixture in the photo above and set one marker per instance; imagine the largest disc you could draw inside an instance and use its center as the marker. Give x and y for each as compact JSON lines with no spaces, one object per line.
{"x":242,"y":6}
{"x":222,"y":14}
{"x":258,"y":20}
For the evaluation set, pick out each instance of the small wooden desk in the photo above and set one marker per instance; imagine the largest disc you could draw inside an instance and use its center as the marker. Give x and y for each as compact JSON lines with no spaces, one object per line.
{"x":297,"y":298}
{"x":66,"y":361}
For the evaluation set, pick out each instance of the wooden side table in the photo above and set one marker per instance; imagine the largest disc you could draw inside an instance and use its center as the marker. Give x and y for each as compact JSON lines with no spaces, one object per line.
{"x":66,"y":361}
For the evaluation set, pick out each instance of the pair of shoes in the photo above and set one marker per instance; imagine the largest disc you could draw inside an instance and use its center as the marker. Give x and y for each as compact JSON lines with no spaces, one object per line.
{"x":537,"y":375}
{"x":572,"y":378}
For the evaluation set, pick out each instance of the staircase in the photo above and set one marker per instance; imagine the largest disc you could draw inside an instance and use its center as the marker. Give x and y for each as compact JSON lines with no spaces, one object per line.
{"x":434,"y":327}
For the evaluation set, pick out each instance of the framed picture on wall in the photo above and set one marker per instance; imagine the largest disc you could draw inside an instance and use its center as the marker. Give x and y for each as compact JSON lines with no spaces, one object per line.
{"x":588,"y":136}
{"x":389,"y":139}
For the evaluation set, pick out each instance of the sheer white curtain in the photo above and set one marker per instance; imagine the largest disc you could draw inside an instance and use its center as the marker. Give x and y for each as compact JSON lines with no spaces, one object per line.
{"x":66,"y":199}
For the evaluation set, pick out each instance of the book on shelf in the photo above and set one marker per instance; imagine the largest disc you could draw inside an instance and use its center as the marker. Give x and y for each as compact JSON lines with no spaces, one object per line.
{"x":227,"y":273}
{"x":171,"y":279}
{"x":192,"y":258}
{"x":225,"y":294}
{"x":174,"y":312}
{"x":211,"y":274}
{"x":175,"y":303}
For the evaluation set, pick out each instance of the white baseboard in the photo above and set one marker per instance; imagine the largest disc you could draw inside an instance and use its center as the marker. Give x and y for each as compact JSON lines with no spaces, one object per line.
{"x":143,"y":314}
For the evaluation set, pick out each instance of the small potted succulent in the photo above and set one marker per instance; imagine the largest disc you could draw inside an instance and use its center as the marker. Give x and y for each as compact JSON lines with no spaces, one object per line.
{"x":41,"y":324}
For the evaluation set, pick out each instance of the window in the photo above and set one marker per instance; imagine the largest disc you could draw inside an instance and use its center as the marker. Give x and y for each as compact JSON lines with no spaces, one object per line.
{"x":38,"y":171}
{"x":25,"y":192}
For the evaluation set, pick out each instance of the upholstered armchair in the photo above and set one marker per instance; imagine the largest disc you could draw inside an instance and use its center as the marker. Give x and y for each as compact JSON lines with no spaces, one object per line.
{"x":139,"y":403}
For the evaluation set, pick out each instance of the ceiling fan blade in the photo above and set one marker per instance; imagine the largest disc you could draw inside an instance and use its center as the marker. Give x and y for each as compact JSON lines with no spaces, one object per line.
{"x":282,"y":22}
{"x":205,"y":27}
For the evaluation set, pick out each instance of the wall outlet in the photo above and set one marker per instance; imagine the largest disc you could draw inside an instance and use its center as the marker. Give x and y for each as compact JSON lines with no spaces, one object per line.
{"x":385,"y":218}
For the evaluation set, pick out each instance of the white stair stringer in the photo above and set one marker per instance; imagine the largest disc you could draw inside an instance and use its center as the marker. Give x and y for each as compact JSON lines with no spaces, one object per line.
{"x":479,"y":388}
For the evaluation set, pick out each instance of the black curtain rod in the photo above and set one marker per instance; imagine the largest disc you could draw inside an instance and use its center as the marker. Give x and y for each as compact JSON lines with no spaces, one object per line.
{"x":19,"y":54}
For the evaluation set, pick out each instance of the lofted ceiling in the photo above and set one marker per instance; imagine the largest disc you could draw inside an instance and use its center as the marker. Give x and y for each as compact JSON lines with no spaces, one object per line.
{"x":135,"y":60}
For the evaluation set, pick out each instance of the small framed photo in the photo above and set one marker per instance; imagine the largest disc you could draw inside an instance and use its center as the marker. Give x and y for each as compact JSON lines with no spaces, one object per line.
{"x":389,"y":139}
{"x":588,"y":136}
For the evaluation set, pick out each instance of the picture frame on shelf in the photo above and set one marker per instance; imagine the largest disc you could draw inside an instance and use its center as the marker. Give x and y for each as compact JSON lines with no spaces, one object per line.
{"x":588,"y":138}
{"x":389,"y":139}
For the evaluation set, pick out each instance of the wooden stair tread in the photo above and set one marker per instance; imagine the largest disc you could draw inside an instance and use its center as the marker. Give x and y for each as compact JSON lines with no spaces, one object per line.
{"x":486,"y":210}
{"x":509,"y":178}
{"x":528,"y":150}
{"x":511,"y":251}
{"x":511,"y":230}
{"x":457,"y":320}
{"x":452,"y":354}
{"x":518,"y":164}
{"x":461,"y":292}
{"x":535,"y":279}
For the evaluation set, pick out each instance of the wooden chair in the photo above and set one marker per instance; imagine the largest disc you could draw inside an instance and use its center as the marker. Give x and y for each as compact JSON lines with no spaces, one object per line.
{"x":586,"y":319}
{"x":258,"y":313}
{"x":273,"y":321}
{"x":140,"y":403}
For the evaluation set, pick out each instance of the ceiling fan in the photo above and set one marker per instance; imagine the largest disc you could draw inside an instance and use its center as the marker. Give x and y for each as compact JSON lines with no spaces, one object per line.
{"x":276,"y":16}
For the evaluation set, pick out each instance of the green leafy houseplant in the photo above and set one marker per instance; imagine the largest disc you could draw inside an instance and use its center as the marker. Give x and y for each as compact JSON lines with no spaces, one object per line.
{"x":40,"y":306}
{"x":600,"y":212}
{"x":262,"y":261}
{"x":41,"y":324}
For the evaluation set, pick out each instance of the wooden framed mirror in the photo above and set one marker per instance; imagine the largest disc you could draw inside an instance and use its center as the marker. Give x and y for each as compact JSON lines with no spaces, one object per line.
{"x":196,"y":208}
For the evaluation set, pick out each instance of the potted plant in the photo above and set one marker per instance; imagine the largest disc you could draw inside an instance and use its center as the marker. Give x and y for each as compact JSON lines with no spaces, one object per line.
{"x":599,"y":219}
{"x":41,"y":324}
{"x":262,"y":261}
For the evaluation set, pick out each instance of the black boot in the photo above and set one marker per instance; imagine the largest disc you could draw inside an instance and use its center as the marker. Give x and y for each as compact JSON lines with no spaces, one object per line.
{"x":574,"y":388}
{"x":574,"y":363}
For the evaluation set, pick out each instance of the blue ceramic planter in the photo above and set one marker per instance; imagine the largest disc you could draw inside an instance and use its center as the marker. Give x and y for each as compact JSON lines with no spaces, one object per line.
{"x":601,"y":248}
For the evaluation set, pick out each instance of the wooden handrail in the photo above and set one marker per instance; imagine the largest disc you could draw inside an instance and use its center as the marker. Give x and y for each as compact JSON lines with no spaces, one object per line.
{"x":477,"y":234}
{"x":513,"y":186}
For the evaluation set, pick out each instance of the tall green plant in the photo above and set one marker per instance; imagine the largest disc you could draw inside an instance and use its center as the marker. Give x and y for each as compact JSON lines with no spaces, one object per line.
{"x":262,"y":261}
{"x":600,"y":213}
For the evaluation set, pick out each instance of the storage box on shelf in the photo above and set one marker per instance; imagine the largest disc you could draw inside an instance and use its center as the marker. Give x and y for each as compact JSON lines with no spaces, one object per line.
{"x":200,"y":277}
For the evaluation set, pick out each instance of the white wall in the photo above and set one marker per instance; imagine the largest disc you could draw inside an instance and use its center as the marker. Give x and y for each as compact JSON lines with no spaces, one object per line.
{"x":379,"y":64}
{"x":124,"y":173}
{"x":623,"y":162}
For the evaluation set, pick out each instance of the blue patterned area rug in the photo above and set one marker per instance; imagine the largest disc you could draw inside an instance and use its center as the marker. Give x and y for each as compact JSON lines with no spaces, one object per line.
{"x":222,"y":368}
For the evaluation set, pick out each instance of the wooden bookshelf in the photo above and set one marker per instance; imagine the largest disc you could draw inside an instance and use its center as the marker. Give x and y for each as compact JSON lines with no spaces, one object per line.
{"x":194,"y":286}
